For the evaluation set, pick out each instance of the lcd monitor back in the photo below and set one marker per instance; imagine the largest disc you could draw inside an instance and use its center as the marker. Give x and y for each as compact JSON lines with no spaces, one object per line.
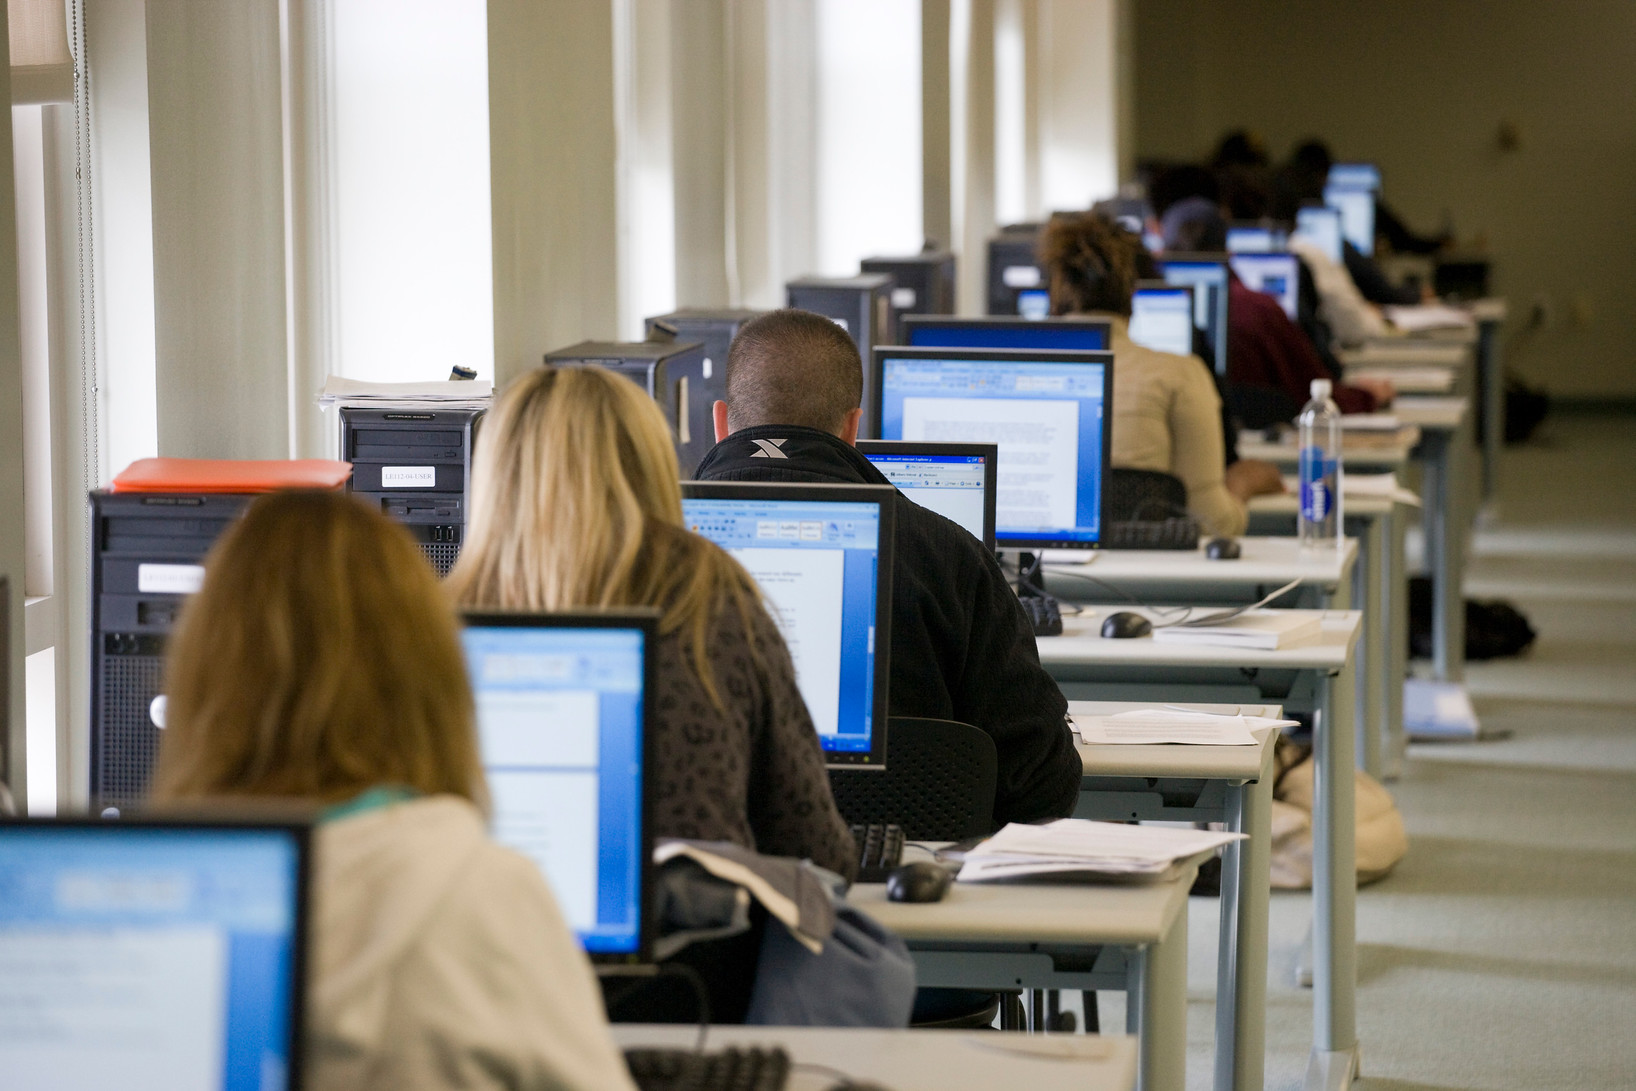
{"x":1206,"y":274}
{"x":562,"y":724}
{"x":1046,"y":412}
{"x":956,"y":480}
{"x":1072,"y":334}
{"x":1161,"y":317}
{"x":152,"y":953}
{"x":1277,"y":274}
{"x":822,"y":556}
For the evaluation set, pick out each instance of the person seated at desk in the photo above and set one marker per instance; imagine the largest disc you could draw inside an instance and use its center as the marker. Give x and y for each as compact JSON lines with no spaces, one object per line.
{"x":961,"y":646}
{"x":1265,"y":349}
{"x":320,"y":663}
{"x":577,"y":504}
{"x":1166,"y":412}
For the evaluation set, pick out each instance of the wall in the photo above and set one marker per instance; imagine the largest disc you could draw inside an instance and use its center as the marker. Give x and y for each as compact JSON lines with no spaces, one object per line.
{"x":1422,"y":89}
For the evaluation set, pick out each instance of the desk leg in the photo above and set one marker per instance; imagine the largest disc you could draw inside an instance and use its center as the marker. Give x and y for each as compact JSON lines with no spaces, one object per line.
{"x":1334,"y":885}
{"x":1395,"y":607}
{"x":1156,"y":1003}
{"x":1441,"y":519}
{"x":1241,"y":977}
{"x":1372,"y":660}
{"x":1492,"y":371}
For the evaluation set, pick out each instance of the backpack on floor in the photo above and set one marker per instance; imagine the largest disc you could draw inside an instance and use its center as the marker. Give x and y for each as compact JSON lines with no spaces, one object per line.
{"x":1381,"y":838}
{"x":1495,"y":629}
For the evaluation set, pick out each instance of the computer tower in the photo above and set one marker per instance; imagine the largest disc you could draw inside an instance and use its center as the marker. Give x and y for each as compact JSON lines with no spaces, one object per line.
{"x":147,"y":554}
{"x":860,"y":305}
{"x":1014,"y":268}
{"x":921,"y":284}
{"x":715,"y":330}
{"x":416,"y":465}
{"x":671,"y":371}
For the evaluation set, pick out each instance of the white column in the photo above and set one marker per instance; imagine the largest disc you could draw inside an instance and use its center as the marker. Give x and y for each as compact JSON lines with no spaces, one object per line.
{"x":936,"y":202}
{"x":216,"y":146}
{"x":971,"y":127}
{"x":1083,"y":84}
{"x":700,"y":86}
{"x":12,"y":550}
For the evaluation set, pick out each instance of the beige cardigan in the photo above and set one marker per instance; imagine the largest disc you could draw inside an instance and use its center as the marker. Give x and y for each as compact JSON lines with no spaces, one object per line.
{"x":1167,"y":417}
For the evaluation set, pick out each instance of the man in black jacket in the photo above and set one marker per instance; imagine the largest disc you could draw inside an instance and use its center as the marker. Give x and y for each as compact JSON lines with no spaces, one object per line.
{"x":962,"y":648}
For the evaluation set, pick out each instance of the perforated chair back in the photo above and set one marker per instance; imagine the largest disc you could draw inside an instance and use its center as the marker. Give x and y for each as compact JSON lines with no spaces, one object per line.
{"x":1143,"y":496}
{"x":938,"y":783}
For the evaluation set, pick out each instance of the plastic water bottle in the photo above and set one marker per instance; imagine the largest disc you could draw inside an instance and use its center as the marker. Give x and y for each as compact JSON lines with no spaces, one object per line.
{"x":1320,"y":462}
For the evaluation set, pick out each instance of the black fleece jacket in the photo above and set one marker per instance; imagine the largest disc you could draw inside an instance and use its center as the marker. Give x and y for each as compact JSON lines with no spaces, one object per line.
{"x":962,"y":648}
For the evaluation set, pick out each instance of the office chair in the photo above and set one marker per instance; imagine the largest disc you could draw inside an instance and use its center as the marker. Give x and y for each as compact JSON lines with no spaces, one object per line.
{"x":1142,"y":495}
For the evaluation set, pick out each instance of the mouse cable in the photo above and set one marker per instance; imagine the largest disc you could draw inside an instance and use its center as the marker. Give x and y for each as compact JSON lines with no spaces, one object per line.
{"x":1162,"y":611}
{"x":840,"y":1080}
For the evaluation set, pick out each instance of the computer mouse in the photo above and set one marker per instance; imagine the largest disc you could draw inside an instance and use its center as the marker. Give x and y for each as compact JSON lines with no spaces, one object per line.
{"x":1223,"y":549}
{"x":919,"y":881}
{"x":1125,"y":624}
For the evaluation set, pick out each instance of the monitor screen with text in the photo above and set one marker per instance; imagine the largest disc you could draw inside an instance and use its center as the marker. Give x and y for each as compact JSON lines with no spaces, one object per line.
{"x":1320,"y":226}
{"x":1357,"y":209}
{"x":151,"y":954}
{"x":1253,"y":238}
{"x":1206,"y":274}
{"x":821,"y":555}
{"x":561,"y":702}
{"x":1072,"y":334}
{"x":1162,"y":319}
{"x":1044,"y":411}
{"x":956,"y":480}
{"x":1277,"y":275}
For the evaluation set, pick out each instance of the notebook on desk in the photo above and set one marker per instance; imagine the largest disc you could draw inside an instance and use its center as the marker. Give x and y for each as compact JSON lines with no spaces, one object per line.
{"x":1262,"y":629}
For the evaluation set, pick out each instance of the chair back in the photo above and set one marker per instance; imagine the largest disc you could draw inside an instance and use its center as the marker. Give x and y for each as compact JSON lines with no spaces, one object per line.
{"x":1143,"y":496}
{"x":938,"y":783}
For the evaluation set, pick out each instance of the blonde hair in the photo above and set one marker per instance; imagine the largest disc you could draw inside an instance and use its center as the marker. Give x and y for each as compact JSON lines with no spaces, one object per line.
{"x":318,"y":660}
{"x":576,"y":503}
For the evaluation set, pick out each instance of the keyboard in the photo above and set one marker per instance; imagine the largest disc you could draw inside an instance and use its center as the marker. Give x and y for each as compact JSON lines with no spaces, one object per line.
{"x":734,"y":1068}
{"x":1176,"y":533}
{"x":1044,"y":615}
{"x":880,"y":850}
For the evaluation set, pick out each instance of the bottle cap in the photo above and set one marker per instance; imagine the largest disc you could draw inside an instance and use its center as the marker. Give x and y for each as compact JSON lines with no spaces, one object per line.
{"x":1321,"y":388}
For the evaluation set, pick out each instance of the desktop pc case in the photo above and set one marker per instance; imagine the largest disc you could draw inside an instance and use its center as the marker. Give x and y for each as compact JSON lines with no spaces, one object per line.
{"x":860,"y":305}
{"x":715,"y":330}
{"x":416,"y":465}
{"x":922,"y":283}
{"x":1013,"y":267}
{"x":672,"y":372}
{"x":146,"y":555}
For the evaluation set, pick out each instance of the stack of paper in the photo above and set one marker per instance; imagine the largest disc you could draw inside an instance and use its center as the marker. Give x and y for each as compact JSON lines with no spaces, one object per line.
{"x":1174,"y":725}
{"x":1381,"y":486}
{"x":1077,"y":848}
{"x":1429,"y":316}
{"x":461,"y":394}
{"x":1264,"y":629}
{"x":1369,"y":422}
{"x":1408,"y":380}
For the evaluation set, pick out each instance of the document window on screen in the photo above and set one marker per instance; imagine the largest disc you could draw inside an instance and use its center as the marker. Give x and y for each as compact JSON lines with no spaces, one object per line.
{"x":1162,"y":319}
{"x":1208,"y":279}
{"x":559,"y":719}
{"x":951,"y":485}
{"x":1277,"y":275}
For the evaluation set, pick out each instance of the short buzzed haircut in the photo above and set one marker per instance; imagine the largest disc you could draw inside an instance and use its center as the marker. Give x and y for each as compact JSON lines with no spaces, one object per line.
{"x":792,"y":368}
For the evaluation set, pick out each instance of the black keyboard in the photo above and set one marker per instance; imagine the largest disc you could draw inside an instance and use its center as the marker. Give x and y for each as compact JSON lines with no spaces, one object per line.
{"x":1176,"y":533}
{"x":880,"y":849}
{"x":735,"y":1068}
{"x":1044,"y":615}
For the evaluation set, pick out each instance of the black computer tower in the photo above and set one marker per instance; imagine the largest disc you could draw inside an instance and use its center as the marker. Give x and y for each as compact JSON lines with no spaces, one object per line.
{"x":1013,"y":268}
{"x":921,"y":284}
{"x":671,"y":371}
{"x":715,"y":330}
{"x":862,"y":306}
{"x":147,"y":554}
{"x":416,"y":465}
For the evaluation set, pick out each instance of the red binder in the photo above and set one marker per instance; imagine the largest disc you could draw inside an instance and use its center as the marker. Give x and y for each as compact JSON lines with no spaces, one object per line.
{"x":220,"y":475}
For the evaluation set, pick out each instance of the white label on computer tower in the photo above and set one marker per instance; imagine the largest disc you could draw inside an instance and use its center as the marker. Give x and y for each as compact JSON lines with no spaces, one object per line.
{"x":408,"y":477}
{"x":169,"y":579}
{"x":1021,"y":276}
{"x":903,"y":298}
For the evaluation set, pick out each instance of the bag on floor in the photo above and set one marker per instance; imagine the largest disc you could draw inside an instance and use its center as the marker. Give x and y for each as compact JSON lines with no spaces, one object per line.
{"x":1495,"y":629}
{"x":1381,"y":838}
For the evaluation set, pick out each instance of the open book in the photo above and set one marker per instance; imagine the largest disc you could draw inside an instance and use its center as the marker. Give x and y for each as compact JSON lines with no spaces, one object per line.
{"x":1076,"y":848}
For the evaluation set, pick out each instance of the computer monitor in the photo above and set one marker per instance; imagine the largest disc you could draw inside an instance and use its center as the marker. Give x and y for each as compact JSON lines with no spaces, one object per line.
{"x":1357,"y":209}
{"x":1161,"y":317}
{"x":562,"y":705}
{"x":956,"y":480}
{"x":1047,"y":413}
{"x":144,"y":953}
{"x":1354,"y":176}
{"x":1253,"y":238}
{"x":1320,"y":225}
{"x":822,"y":556}
{"x":1206,"y":274}
{"x":1034,"y":304}
{"x":1277,"y":275}
{"x":1074,"y":334}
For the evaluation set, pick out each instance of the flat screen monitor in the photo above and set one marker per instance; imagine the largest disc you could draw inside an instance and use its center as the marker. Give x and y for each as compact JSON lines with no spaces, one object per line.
{"x":1045,"y":411}
{"x":1357,"y":209}
{"x":1161,"y":317}
{"x":1074,"y":334}
{"x":562,"y":703}
{"x":142,"y":953}
{"x":1034,"y":303}
{"x":1277,"y":275}
{"x":1206,"y":274}
{"x":1320,"y":225}
{"x":1354,"y":176}
{"x":822,"y":556}
{"x":1253,"y":238}
{"x":956,"y":480}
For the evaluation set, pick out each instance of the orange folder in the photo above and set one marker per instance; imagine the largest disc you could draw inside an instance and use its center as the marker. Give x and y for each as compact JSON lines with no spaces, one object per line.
{"x":220,"y":475}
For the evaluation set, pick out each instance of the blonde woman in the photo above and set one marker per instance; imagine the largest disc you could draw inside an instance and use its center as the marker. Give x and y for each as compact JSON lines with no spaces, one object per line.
{"x":320,"y":662}
{"x":576,"y":503}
